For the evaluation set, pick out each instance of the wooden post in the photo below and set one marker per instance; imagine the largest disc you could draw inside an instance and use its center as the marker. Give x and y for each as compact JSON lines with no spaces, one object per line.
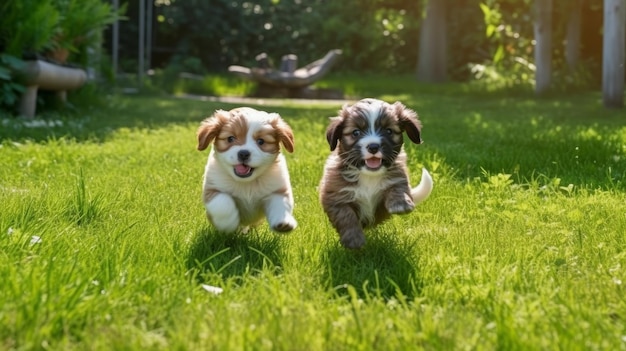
{"x":289,"y":63}
{"x":432,"y":61}
{"x":572,"y":38}
{"x":287,"y":76}
{"x":543,"y":47}
{"x":613,"y":56}
{"x":115,"y":40}
{"x":141,"y":46}
{"x":263,"y":61}
{"x":28,"y":102}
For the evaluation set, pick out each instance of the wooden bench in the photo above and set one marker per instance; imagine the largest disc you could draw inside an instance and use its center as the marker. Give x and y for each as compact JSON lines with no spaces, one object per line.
{"x":44,"y":75}
{"x":289,"y":80}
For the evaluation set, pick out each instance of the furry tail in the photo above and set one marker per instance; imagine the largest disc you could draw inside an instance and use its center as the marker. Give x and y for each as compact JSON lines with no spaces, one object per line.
{"x":423,"y":189}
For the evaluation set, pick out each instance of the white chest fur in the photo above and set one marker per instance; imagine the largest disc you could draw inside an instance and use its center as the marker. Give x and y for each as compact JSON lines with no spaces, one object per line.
{"x":368,"y":193}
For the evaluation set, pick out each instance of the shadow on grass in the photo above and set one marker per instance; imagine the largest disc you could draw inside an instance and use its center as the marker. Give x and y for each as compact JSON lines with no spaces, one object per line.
{"x":384,"y":268}
{"x":572,"y":139}
{"x":567,"y":137}
{"x":98,"y":122}
{"x":233,"y":255}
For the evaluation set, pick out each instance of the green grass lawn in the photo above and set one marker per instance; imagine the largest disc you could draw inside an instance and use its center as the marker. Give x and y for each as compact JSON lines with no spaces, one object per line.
{"x":104,"y":244}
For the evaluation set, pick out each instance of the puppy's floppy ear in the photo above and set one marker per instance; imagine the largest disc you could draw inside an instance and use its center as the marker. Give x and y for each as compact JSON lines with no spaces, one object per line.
{"x":285,"y":134}
{"x":334,"y":131}
{"x":409,"y":122}
{"x":210,"y":127}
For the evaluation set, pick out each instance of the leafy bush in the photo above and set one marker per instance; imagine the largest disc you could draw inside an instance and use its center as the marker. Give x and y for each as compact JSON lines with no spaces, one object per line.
{"x":81,"y":26}
{"x":239,"y":30}
{"x":28,"y":26}
{"x":507,"y":46}
{"x":10,"y":88}
{"x":383,"y":37}
{"x":379,"y":38}
{"x":510,"y":38}
{"x":47,"y":29}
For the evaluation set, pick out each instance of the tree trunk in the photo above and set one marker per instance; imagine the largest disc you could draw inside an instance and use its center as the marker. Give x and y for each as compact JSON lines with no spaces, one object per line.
{"x":543,"y":46}
{"x":613,"y":56}
{"x":572,"y":39}
{"x":432,"y":59}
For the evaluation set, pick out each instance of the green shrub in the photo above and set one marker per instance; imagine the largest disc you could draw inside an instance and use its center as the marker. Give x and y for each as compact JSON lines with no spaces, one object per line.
{"x":81,"y":26}
{"x":28,"y":26}
{"x":48,"y":29}
{"x":10,"y":88}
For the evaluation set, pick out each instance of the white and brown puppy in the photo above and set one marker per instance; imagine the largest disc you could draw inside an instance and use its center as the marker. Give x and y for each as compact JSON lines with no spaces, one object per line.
{"x":365,"y":178}
{"x":246,"y":176}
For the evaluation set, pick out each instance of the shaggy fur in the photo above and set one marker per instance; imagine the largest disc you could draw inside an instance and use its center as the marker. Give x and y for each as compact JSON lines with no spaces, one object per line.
{"x":365,"y":177}
{"x":246,"y":176}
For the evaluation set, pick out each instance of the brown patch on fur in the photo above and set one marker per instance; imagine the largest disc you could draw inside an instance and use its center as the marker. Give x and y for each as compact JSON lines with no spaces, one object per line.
{"x":283,"y":133}
{"x":281,"y":191}
{"x":334,"y":132}
{"x":210,"y":127}
{"x":232,"y":133}
{"x":349,"y":126}
{"x":208,"y":194}
{"x":391,"y":121}
{"x":270,"y":142}
{"x":409,"y":122}
{"x":221,"y":126}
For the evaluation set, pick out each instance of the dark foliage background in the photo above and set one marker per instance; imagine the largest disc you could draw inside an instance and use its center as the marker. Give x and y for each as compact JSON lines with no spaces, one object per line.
{"x":209,"y":36}
{"x":488,"y":41}
{"x":375,"y":35}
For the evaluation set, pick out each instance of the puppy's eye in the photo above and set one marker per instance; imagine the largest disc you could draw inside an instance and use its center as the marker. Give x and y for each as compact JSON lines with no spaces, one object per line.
{"x":260,"y":142}
{"x":388,"y":131}
{"x":230,"y":139}
{"x":356,"y":133}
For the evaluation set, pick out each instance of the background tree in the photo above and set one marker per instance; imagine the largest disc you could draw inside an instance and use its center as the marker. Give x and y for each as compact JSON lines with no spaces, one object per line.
{"x":380,"y":39}
{"x":543,"y":46}
{"x":572,"y":38}
{"x":432,"y":59}
{"x":613,"y":53}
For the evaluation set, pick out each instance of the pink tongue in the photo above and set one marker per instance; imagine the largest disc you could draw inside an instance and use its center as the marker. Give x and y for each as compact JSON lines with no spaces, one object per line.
{"x":373,"y":162}
{"x":242,"y":169}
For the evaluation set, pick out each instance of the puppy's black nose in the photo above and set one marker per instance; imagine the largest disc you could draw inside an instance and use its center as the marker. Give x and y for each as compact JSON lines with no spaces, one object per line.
{"x":243,"y":155}
{"x":373,"y":148}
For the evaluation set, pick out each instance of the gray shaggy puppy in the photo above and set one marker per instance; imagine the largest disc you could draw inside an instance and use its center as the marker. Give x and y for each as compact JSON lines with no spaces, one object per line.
{"x":365,"y":178}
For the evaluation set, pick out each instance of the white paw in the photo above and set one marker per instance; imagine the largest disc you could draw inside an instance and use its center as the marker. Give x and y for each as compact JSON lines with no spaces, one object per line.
{"x":222,"y":212}
{"x":278,"y":213}
{"x":287,"y":224}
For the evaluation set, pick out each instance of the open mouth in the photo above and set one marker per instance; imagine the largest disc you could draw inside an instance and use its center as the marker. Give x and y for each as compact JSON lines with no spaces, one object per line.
{"x":373,"y":163}
{"x":243,"y":171}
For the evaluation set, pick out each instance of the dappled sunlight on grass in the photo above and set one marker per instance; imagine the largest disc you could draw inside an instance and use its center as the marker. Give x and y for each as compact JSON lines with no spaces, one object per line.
{"x":476,"y":123}
{"x":527,"y":138}
{"x":103,"y":233}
